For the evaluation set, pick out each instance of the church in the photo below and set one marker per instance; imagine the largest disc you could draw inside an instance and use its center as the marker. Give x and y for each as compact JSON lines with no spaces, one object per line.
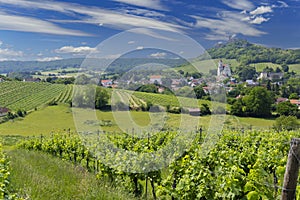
{"x":224,"y":70}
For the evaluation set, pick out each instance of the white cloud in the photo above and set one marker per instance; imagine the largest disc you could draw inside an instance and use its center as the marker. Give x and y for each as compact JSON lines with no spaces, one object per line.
{"x":259,"y":20}
{"x":261,"y":10}
{"x":283,"y":4}
{"x":140,"y":48}
{"x":152,"y":33}
{"x":154,"y":4}
{"x":29,"y":24}
{"x":246,"y":18}
{"x":1,"y":43}
{"x":76,"y":50}
{"x":94,"y":15}
{"x":158,"y":55}
{"x":131,"y":42}
{"x":48,"y":59}
{"x":228,"y":24}
{"x":143,"y":12}
{"x":9,"y":54}
{"x":239,"y":4}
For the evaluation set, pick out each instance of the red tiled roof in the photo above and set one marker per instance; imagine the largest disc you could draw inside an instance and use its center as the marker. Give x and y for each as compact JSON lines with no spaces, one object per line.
{"x":155,"y":77}
{"x":295,"y":101}
{"x":105,"y":81}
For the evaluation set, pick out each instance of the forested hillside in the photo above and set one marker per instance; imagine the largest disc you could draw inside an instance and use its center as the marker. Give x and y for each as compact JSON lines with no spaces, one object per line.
{"x":247,"y":53}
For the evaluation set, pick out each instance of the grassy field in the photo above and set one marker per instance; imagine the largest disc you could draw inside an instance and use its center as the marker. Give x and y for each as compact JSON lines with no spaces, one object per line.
{"x":36,"y":175}
{"x":204,"y":66}
{"x":295,"y":68}
{"x":60,"y":118}
{"x":260,"y":66}
{"x":52,"y":118}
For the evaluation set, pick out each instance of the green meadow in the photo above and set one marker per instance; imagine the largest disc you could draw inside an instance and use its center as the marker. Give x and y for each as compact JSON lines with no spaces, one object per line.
{"x":60,"y":118}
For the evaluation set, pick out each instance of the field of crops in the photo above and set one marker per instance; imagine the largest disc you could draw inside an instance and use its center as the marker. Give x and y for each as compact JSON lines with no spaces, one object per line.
{"x":28,"y":95}
{"x":127,"y":98}
{"x":248,"y":165}
{"x":65,"y":95}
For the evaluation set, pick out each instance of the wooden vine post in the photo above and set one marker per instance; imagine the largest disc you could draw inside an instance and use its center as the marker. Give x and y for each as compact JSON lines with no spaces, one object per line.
{"x":292,"y":171}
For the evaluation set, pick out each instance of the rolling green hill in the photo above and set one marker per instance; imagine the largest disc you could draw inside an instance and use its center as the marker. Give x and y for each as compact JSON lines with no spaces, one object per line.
{"x":247,"y":53}
{"x":242,"y":53}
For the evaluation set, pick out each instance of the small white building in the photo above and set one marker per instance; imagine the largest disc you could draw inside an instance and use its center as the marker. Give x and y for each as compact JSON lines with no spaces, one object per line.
{"x":251,"y":82}
{"x":106,"y":83}
{"x":271,"y":75}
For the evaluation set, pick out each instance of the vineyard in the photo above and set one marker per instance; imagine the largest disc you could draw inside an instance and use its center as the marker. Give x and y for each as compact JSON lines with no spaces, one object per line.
{"x":28,"y":95}
{"x":65,"y":95}
{"x":128,"y":99}
{"x":248,"y":165}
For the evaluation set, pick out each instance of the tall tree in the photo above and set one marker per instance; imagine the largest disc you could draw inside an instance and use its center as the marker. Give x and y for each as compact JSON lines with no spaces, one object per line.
{"x":258,"y":103}
{"x":101,"y":98}
{"x":286,"y":108}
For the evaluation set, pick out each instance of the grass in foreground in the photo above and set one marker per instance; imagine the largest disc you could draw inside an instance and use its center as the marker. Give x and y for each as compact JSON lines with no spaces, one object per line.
{"x":40,"y":176}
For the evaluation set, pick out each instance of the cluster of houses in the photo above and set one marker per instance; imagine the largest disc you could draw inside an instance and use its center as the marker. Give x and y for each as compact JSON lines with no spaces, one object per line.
{"x":292,"y":101}
{"x":223,"y":72}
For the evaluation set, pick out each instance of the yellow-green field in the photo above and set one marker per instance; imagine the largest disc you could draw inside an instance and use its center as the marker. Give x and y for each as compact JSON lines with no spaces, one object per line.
{"x":260,"y":66}
{"x":295,"y":68}
{"x":60,"y":118}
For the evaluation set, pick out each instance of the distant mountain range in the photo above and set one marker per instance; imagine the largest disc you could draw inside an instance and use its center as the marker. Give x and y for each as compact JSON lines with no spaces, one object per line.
{"x":28,"y":66}
{"x":241,"y":50}
{"x":114,"y":66}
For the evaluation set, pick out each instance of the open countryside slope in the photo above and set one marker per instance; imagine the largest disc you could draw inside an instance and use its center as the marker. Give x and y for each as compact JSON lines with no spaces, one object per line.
{"x":60,"y":118}
{"x":29,"y":95}
{"x":41,"y":176}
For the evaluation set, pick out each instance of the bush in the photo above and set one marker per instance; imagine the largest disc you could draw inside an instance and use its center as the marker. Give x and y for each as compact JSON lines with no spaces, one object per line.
{"x":175,"y":110}
{"x":52,"y":103}
{"x":156,"y":108}
{"x":286,"y":123}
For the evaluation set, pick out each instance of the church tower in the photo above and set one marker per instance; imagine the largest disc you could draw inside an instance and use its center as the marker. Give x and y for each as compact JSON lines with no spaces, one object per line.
{"x":220,"y":68}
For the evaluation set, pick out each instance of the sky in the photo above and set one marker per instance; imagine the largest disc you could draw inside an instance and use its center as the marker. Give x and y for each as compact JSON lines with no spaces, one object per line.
{"x":56,"y":29}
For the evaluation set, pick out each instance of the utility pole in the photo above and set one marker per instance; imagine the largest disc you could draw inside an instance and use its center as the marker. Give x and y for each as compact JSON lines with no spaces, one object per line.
{"x":292,"y":171}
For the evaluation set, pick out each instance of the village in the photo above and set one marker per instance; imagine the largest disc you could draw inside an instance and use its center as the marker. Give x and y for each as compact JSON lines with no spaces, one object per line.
{"x":224,"y":78}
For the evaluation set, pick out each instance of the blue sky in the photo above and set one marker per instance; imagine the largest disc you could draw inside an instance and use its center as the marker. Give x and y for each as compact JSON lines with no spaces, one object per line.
{"x":53,"y":30}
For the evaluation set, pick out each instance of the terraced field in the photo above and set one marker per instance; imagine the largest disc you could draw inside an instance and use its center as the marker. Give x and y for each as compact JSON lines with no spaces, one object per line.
{"x":28,"y":95}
